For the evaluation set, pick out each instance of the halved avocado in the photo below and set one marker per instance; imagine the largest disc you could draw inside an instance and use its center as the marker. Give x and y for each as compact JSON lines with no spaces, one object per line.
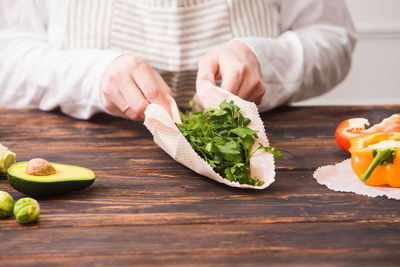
{"x":67,"y":178}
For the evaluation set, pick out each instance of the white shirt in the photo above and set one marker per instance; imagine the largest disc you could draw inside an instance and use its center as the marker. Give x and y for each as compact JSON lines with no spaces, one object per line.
{"x":50,"y":56}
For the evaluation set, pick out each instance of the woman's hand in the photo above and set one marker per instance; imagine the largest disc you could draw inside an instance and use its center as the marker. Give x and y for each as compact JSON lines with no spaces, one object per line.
{"x":237,"y":67}
{"x":129,"y":85}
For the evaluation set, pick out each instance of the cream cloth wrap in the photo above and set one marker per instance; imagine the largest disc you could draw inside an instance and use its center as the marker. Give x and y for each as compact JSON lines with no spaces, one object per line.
{"x":170,"y":139}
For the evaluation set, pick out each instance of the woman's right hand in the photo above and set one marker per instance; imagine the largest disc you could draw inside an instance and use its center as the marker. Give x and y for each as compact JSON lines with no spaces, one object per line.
{"x":129,"y":85}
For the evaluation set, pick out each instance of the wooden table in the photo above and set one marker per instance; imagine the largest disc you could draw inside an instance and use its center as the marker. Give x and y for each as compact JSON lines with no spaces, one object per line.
{"x":145,"y":208}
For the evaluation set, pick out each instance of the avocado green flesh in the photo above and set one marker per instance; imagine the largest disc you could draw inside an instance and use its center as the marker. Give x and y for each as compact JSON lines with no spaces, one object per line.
{"x":66,"y":179}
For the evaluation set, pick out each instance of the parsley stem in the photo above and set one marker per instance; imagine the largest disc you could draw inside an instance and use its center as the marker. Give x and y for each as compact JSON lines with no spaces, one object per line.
{"x":258,"y":148}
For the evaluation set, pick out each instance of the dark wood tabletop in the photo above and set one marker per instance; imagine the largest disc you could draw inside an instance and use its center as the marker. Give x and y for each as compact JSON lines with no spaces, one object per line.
{"x":145,"y":208}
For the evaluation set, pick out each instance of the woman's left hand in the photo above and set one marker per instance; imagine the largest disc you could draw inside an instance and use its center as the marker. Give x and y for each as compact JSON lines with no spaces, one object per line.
{"x":238,"y":69}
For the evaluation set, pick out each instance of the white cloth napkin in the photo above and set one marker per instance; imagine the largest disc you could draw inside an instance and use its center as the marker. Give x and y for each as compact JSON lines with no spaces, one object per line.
{"x":340,"y":177}
{"x":167,"y":136}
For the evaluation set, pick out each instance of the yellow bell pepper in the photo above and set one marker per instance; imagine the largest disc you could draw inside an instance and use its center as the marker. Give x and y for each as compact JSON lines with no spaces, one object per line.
{"x":375,"y":158}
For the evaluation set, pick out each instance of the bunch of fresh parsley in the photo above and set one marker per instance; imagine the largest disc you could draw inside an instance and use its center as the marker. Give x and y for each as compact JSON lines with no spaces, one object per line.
{"x":222,"y":138}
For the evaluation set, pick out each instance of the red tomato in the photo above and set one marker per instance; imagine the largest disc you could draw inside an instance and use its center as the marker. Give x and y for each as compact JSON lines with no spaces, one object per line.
{"x":349,"y":129}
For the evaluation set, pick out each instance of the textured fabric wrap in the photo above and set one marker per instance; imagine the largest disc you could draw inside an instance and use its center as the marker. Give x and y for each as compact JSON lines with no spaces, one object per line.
{"x":170,"y":139}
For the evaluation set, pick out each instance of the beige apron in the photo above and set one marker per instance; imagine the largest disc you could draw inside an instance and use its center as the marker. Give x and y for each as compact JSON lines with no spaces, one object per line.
{"x":171,"y":35}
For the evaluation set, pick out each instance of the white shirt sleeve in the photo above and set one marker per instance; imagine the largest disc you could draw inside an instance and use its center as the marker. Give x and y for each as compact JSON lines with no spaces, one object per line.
{"x":310,"y":57}
{"x":33,"y":73}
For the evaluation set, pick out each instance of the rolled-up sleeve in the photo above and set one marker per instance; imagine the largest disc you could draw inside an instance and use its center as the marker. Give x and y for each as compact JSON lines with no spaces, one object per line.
{"x":310,"y":56}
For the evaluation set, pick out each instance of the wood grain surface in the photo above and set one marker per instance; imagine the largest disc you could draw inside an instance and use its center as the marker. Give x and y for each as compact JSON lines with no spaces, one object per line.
{"x":145,"y":208}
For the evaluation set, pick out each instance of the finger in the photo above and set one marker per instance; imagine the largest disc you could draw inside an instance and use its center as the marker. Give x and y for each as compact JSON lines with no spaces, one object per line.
{"x":232,"y":79}
{"x":112,"y":99}
{"x":208,"y":68}
{"x":258,"y":95}
{"x":253,"y":94}
{"x":252,"y":89}
{"x":172,"y":107}
{"x":113,"y":109}
{"x":164,"y":86}
{"x":151,"y":89}
{"x":133,"y":97}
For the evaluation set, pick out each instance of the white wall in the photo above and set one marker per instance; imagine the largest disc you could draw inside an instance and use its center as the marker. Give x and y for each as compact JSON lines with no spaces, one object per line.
{"x":375,"y":74}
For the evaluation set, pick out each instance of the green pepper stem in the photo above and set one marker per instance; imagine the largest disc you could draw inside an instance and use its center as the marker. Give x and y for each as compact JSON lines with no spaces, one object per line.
{"x":381,"y":156}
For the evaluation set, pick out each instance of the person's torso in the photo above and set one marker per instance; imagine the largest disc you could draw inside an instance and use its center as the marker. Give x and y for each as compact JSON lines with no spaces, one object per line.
{"x":171,"y":35}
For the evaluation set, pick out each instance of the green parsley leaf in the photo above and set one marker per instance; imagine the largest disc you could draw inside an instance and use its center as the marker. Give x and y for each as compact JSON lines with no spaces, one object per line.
{"x":222,"y":138}
{"x":244,"y":131}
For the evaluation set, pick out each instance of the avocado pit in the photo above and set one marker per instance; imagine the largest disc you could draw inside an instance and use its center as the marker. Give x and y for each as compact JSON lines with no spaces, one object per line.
{"x":39,"y":167}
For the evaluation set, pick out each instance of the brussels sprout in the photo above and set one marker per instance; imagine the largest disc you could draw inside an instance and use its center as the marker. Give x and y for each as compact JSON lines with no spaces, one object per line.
{"x":6,"y":204}
{"x":26,"y":210}
{"x":7,"y":158}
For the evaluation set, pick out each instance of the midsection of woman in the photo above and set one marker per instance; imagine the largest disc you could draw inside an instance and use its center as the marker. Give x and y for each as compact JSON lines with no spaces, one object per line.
{"x":170,"y":35}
